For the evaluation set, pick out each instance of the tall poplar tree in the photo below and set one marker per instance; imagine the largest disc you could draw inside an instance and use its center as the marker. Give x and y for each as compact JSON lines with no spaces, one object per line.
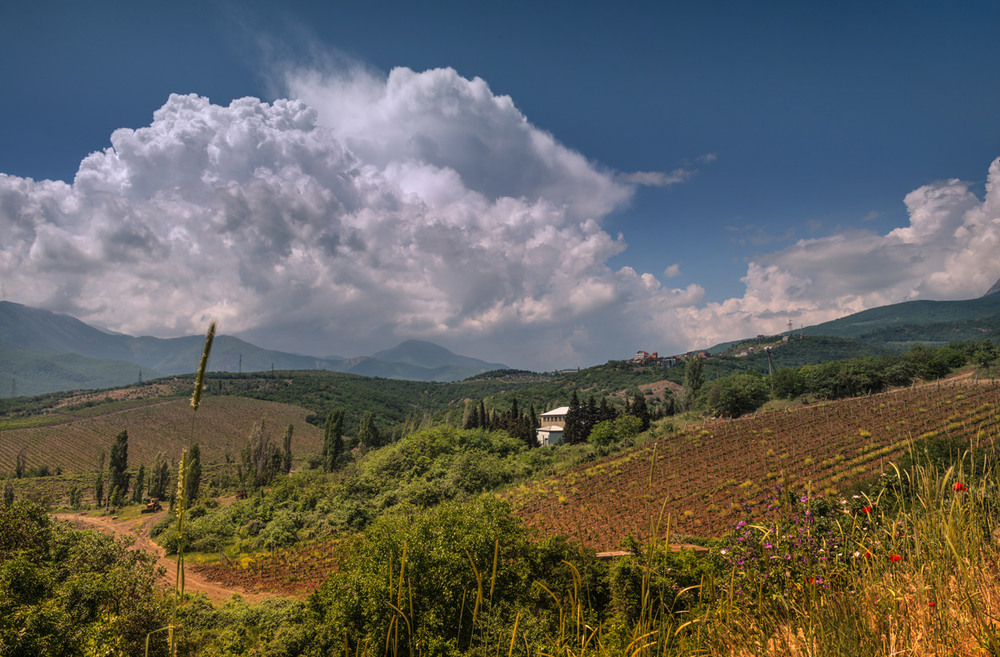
{"x":333,"y":440}
{"x":118,"y":469}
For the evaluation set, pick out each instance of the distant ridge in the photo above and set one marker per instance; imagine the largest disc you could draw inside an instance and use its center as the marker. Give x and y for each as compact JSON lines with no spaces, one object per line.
{"x":910,"y":314}
{"x":994,"y":289}
{"x":43,"y":351}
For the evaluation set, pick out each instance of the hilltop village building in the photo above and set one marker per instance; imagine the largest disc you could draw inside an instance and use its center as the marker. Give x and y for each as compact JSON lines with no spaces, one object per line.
{"x":553,"y":422}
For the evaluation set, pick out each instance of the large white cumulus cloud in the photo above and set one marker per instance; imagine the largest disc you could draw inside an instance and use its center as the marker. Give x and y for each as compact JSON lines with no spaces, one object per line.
{"x":950,"y":249}
{"x":371,"y":209}
{"x":368,"y":209}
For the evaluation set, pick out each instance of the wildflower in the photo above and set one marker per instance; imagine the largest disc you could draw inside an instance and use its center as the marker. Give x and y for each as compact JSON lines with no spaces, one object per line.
{"x":959,"y":486}
{"x":866,"y":509}
{"x":931,"y":603}
{"x":868,"y":555}
{"x":894,"y":558}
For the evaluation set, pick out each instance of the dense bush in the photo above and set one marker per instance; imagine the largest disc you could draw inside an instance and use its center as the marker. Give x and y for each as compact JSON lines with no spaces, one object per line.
{"x":738,"y":394}
{"x":444,"y":582}
{"x":66,"y":592}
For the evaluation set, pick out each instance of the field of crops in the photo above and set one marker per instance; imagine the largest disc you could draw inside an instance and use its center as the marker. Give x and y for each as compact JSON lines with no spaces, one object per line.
{"x":72,"y":439}
{"x":701,"y":476}
{"x":295,"y":571}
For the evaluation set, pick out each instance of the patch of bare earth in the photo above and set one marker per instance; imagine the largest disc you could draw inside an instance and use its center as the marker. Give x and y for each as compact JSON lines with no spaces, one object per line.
{"x":196,"y":578}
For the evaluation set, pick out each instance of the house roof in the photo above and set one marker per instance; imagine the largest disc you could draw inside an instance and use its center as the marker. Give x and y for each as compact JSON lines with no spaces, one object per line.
{"x":555,"y":428}
{"x":562,"y":410}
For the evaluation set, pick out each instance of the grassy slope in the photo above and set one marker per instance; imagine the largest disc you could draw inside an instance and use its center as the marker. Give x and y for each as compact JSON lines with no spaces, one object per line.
{"x":910,"y":313}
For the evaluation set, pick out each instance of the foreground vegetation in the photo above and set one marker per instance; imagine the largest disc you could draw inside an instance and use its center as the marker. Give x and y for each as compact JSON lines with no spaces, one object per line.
{"x":867,"y":524}
{"x":909,"y":566}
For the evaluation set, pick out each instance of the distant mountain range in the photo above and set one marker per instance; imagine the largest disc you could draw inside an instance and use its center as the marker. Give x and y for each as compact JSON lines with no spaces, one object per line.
{"x":42,"y":351}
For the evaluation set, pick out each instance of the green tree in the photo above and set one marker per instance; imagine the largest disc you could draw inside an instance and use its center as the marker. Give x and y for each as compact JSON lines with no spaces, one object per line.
{"x":694,"y":379}
{"x":193,"y":473}
{"x":118,"y":469}
{"x":573,"y":431}
{"x":738,"y":394}
{"x":99,"y":489}
{"x":286,"y":442}
{"x":368,"y":434}
{"x":260,"y":458}
{"x":640,"y":410}
{"x":140,"y":482}
{"x":68,"y":592}
{"x":159,"y":478}
{"x":470,"y":418}
{"x":459,"y":574}
{"x":984,"y":354}
{"x":333,"y":440}
{"x":610,"y":432}
{"x":8,"y":493}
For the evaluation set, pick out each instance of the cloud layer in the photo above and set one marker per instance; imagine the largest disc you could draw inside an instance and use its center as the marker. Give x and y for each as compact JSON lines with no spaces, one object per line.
{"x":371,"y":209}
{"x":948,"y":250}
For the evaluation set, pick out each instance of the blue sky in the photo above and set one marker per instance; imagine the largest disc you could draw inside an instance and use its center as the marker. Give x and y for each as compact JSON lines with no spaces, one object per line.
{"x":742,"y":165}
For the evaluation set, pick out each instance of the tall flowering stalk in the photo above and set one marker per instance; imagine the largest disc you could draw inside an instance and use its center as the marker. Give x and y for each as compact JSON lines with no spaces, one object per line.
{"x":200,"y":381}
{"x":181,"y":508}
{"x":182,"y":485}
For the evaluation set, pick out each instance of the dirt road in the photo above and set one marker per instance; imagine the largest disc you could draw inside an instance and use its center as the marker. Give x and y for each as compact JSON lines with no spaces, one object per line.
{"x":139,"y":530}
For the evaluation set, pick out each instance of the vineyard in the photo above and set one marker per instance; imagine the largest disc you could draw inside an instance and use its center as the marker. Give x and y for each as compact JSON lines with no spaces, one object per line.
{"x":294,"y":571}
{"x":701,"y":477}
{"x":72,"y":439}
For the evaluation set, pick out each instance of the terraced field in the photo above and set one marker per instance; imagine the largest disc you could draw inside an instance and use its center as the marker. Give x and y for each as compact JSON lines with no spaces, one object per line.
{"x":700,"y":477}
{"x":72,"y":439}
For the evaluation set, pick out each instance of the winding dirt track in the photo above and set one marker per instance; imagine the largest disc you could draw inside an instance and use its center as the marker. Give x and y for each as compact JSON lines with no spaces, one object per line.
{"x":138,"y":530}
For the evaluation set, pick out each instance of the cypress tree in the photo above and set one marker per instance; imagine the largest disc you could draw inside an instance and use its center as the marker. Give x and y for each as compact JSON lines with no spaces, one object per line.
{"x":193,"y":473}
{"x":140,"y":483}
{"x":694,"y":379}
{"x":333,"y":439}
{"x":640,"y":410}
{"x":118,"y":475}
{"x":572,"y":432}
{"x":367,"y":431}
{"x":286,"y":460}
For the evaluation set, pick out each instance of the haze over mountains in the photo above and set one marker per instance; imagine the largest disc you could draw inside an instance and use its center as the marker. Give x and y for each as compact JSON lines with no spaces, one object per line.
{"x":41,"y":352}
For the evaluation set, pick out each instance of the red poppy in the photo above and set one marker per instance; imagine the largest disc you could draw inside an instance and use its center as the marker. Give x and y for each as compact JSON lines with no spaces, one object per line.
{"x":866,"y":509}
{"x":868,"y":555}
{"x":895,"y":557}
{"x":959,"y":486}
{"x":931,"y":603}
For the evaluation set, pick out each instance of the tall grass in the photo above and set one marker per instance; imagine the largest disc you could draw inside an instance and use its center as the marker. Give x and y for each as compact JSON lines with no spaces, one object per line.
{"x":911,"y":568}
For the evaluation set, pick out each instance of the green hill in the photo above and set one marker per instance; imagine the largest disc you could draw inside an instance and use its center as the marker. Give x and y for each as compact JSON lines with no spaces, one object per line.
{"x":916,"y":316}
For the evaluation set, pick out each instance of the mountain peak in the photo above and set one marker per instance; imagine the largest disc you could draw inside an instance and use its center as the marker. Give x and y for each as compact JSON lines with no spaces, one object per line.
{"x":430,"y":355}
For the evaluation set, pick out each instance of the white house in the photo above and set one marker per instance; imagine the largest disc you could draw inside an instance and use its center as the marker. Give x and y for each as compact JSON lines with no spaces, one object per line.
{"x":553,"y":423}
